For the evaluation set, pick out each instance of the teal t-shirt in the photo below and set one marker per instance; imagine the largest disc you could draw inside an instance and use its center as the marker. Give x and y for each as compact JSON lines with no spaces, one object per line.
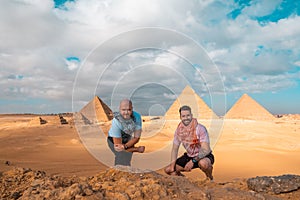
{"x":116,"y":126}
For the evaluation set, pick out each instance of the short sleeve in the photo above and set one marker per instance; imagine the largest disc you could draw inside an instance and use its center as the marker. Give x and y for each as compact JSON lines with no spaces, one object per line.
{"x":176,"y":139}
{"x":202,"y":133}
{"x":138,"y":120}
{"x":115,"y":129}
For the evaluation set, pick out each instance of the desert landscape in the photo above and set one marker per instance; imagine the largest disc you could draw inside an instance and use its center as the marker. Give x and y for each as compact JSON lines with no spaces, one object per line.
{"x":39,"y":151}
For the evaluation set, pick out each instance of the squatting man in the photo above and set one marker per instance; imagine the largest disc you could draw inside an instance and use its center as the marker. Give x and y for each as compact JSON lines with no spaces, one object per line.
{"x":195,"y":140}
{"x":125,"y":132}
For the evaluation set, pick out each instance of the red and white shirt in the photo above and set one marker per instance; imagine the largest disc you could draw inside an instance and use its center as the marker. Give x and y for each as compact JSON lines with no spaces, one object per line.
{"x":191,"y":139}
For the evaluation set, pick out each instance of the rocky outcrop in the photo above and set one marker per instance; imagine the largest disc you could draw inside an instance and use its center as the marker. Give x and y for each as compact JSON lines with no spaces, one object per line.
{"x":274,"y":184}
{"x":111,"y":184}
{"x":134,"y":184}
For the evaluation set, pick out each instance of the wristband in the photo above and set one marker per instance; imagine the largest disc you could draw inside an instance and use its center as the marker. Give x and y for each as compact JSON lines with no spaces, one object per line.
{"x":194,"y":160}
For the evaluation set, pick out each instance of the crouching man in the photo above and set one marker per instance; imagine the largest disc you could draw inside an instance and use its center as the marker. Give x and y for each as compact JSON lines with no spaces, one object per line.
{"x":195,"y":140}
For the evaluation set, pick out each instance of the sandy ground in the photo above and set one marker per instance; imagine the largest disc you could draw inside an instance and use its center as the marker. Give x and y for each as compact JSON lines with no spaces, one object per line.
{"x":242,"y":148}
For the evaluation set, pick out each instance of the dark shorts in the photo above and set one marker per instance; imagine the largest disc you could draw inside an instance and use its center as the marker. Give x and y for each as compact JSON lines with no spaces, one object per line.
{"x":122,"y":157}
{"x":184,"y":159}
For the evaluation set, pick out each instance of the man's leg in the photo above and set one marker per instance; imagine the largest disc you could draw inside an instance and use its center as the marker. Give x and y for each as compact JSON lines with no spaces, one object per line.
{"x":122,"y":157}
{"x":206,"y":165}
{"x":139,"y":149}
{"x":179,"y":166}
{"x":174,"y":172}
{"x":169,"y":170}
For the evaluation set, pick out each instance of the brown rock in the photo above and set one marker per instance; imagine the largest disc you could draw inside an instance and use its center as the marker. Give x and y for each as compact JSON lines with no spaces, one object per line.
{"x":21,"y":183}
{"x":274,"y":184}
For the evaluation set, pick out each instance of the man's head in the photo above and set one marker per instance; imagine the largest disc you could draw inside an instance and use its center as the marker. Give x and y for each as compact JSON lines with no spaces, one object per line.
{"x":125,"y":108}
{"x":186,"y":115}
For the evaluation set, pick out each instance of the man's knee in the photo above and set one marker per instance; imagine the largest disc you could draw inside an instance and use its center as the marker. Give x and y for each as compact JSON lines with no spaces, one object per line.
{"x":204,"y":163}
{"x":168,"y":169}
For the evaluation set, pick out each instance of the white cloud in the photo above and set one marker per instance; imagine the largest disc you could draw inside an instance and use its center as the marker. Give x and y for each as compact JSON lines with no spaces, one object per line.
{"x":72,"y":64}
{"x":262,"y":8}
{"x":214,"y":54}
{"x":297,"y":63}
{"x":36,"y":38}
{"x":170,"y":96}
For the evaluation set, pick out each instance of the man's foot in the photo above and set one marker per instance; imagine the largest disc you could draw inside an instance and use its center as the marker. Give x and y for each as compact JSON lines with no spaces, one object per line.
{"x":208,"y":173}
{"x":179,"y":174}
{"x":141,"y":149}
{"x":210,"y":178}
{"x":175,"y":173}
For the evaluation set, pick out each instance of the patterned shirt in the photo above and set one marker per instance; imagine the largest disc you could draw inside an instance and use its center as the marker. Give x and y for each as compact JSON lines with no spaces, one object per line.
{"x":190,"y":142}
{"x":116,"y":126}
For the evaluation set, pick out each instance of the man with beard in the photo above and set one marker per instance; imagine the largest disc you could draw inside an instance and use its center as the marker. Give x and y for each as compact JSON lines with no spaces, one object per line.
{"x":195,"y":140}
{"x":125,"y":132}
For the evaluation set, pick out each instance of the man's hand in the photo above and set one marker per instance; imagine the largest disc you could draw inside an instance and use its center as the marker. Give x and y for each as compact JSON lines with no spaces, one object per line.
{"x":189,"y":166}
{"x":119,"y":147}
{"x":132,"y":142}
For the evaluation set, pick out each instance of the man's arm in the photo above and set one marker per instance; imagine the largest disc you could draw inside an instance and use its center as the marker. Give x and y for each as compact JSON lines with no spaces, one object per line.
{"x":174,"y":154}
{"x":203,"y":151}
{"x":115,"y":133}
{"x":204,"y":143}
{"x":135,"y":139}
{"x":137,"y":133}
{"x":118,"y":144}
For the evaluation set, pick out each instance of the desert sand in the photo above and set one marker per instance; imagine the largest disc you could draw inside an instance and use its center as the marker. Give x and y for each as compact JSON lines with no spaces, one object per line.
{"x":247,"y":142}
{"x":244,"y":148}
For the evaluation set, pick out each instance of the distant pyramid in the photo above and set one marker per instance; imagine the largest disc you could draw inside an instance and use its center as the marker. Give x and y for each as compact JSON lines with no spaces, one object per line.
{"x":190,"y":98}
{"x":96,"y":111}
{"x":37,"y":121}
{"x":48,"y":120}
{"x":248,"y":108}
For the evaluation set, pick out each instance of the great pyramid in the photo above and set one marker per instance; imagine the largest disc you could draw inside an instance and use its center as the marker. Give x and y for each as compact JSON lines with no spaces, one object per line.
{"x":79,"y":118}
{"x":248,"y":108}
{"x":96,"y":111}
{"x":188,"y":97}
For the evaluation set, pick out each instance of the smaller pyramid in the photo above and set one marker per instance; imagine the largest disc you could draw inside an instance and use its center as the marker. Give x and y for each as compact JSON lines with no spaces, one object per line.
{"x":248,"y":108}
{"x":96,"y":111}
{"x":37,"y":121}
{"x":188,"y":97}
{"x":62,"y":120}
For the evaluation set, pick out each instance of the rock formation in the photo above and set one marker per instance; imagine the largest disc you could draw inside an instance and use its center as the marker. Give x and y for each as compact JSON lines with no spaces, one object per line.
{"x":124,"y":183}
{"x":275,"y":184}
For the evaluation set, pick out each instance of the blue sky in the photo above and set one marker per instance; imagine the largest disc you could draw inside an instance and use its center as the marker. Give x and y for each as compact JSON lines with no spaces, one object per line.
{"x":56,"y":55}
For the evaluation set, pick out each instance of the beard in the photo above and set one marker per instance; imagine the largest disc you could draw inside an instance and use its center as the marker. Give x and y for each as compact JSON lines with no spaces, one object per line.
{"x":186,"y":121}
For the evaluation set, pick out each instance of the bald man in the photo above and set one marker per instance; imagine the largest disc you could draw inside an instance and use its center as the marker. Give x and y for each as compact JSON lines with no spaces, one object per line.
{"x":125,"y":132}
